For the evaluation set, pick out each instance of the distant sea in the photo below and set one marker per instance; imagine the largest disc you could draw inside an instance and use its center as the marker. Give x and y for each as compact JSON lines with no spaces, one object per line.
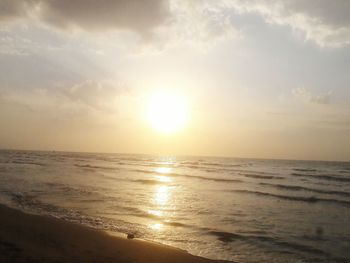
{"x":246,"y":210}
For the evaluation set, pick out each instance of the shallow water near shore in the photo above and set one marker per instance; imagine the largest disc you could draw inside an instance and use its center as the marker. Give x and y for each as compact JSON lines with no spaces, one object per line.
{"x":246,"y":210}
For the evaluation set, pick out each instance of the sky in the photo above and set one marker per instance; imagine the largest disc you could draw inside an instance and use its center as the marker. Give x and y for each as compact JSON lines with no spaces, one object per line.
{"x":260,"y":79}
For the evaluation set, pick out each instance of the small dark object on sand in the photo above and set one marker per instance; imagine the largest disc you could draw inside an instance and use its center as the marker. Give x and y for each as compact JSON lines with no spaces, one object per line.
{"x":319,"y":231}
{"x":130,"y":236}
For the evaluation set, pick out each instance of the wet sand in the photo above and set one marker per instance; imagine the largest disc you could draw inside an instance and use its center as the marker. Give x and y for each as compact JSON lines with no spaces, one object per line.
{"x":33,"y":238}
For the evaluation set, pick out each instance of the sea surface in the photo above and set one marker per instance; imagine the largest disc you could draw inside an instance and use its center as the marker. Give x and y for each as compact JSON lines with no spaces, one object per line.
{"x":245,"y":210}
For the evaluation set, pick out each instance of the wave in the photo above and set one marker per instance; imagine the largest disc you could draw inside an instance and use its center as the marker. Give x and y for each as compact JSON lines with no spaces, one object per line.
{"x":310,"y":199}
{"x":31,"y":203}
{"x":144,"y":171}
{"x":323,"y":177}
{"x":69,"y":189}
{"x":305,"y":170}
{"x":221,"y":164}
{"x":142,"y":214}
{"x":176,"y":224}
{"x":214,"y":179}
{"x":28,"y":203}
{"x":231,"y":237}
{"x":259,"y":176}
{"x":148,"y":181}
{"x":191,"y":176}
{"x":142,"y":181}
{"x":189,"y":163}
{"x":132,"y":159}
{"x":27,"y":162}
{"x":211,"y":167}
{"x":227,"y":180}
{"x":300,"y":188}
{"x":88,"y":166}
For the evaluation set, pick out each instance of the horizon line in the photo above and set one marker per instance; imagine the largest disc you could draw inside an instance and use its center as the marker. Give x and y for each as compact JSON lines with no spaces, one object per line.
{"x":175,"y":155}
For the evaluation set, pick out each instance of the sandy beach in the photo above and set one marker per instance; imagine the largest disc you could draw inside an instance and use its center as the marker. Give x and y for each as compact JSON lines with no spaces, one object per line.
{"x":32,"y":238}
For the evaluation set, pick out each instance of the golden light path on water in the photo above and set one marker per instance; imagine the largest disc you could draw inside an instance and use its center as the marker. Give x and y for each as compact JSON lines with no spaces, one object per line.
{"x":161,"y":196}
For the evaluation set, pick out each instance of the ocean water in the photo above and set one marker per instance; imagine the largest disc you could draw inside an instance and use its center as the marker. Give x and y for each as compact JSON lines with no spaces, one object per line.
{"x":245,"y":210}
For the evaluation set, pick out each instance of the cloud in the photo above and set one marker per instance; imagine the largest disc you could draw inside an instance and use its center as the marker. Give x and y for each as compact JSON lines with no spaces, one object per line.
{"x":10,"y":9}
{"x":306,"y":96}
{"x":84,"y":97}
{"x":163,"y":23}
{"x":327,"y":23}
{"x":336,"y":123}
{"x":200,"y":22}
{"x":98,"y":95}
{"x":136,"y":15}
{"x":17,"y":45}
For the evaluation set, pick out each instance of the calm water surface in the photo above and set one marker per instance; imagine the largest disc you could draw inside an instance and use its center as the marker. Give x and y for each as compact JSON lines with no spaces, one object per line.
{"x":244,"y":210}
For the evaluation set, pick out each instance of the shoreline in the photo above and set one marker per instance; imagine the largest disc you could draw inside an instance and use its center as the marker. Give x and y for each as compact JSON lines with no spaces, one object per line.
{"x":37,"y":238}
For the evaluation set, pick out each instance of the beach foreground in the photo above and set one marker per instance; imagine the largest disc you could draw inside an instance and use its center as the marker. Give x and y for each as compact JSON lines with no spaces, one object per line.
{"x":34,"y":238}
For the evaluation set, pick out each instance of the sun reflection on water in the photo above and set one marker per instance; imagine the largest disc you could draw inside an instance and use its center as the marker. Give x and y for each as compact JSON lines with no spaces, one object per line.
{"x":155,"y":212}
{"x":162,"y":195}
{"x":157,"y":226}
{"x":163,"y":179}
{"x":162,"y":174}
{"x":163,"y":170}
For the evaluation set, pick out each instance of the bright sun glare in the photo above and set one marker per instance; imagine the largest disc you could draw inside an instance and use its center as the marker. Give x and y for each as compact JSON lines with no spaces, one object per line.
{"x":167,"y":112}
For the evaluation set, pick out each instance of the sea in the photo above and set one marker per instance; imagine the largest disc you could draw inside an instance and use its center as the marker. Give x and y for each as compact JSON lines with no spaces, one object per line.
{"x":241,"y":210}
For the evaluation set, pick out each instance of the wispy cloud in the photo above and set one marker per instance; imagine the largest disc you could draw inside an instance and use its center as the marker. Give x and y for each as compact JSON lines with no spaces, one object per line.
{"x":98,"y":95}
{"x":10,"y":10}
{"x":90,"y":95}
{"x":327,"y":23}
{"x":137,"y":15}
{"x":160,"y":23}
{"x":308,"y":97}
{"x":200,"y":22}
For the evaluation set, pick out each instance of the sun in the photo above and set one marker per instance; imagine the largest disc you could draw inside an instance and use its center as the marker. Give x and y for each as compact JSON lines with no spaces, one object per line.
{"x":167,"y":112}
